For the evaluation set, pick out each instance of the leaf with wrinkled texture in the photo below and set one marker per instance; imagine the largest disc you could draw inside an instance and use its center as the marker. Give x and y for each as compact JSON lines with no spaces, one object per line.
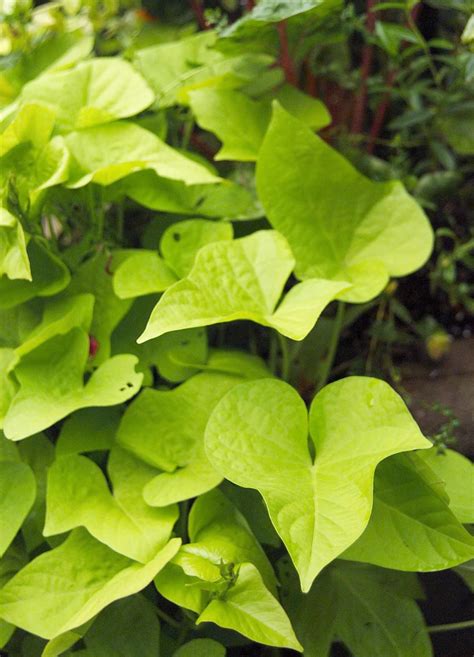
{"x":78,"y":495}
{"x":259,"y":430}
{"x":411,"y":526}
{"x":105,"y":154}
{"x":242,"y":279}
{"x":339,"y":224}
{"x":14,"y":261}
{"x":96,"y":91}
{"x":65,"y":587}
{"x":61,"y":362}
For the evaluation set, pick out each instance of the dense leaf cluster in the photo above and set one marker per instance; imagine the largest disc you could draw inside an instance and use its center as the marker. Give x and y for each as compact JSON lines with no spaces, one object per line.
{"x":135,"y":431}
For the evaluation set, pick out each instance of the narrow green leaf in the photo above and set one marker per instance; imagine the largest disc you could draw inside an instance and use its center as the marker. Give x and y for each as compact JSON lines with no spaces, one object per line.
{"x":17,"y":494}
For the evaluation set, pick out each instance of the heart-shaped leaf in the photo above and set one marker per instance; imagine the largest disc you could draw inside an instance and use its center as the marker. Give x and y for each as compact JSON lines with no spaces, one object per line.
{"x":339,"y":224}
{"x":67,"y":586}
{"x":78,"y":495}
{"x":242,"y":279}
{"x":61,"y":362}
{"x":257,"y":438}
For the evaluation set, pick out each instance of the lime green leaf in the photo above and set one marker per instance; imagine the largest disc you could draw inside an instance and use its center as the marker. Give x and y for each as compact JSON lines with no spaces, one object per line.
{"x":88,"y":430}
{"x":49,"y":276}
{"x":95,"y":276}
{"x":220,"y":533}
{"x":457,"y":125}
{"x":339,"y":224}
{"x":33,"y":123}
{"x":142,"y":273}
{"x":249,"y":608}
{"x":181,"y":589}
{"x":8,"y":386}
{"x":107,"y":153}
{"x":242,"y":279}
{"x":411,"y":527}
{"x":372,"y":619}
{"x":65,"y":587}
{"x":201,"y":648}
{"x":17,"y":494}
{"x":257,"y":438}
{"x":230,"y":361}
{"x":225,"y":199}
{"x":181,"y":241}
{"x":78,"y":496}
{"x":165,"y":428}
{"x":457,"y":474}
{"x":61,"y":362}
{"x":59,"y":317}
{"x":128,"y":627}
{"x":14,"y":261}
{"x":174,"y":69}
{"x":94,"y":92}
{"x":224,"y":111}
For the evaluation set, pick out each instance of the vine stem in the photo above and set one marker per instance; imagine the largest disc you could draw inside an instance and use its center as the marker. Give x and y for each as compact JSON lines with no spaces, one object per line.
{"x":449,"y":627}
{"x":167,"y":618}
{"x":198,"y":10}
{"x":285,"y":58}
{"x":365,"y":69}
{"x":336,"y":334}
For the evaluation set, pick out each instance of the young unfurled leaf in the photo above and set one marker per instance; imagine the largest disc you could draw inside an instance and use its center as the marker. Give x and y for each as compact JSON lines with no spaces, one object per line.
{"x":94,"y":92}
{"x":61,"y":363}
{"x":224,"y":111}
{"x":14,"y":261}
{"x":411,"y":526}
{"x":257,"y":438}
{"x":78,"y":495}
{"x":339,"y":224}
{"x":181,"y":241}
{"x":144,"y":272}
{"x":457,"y":474}
{"x":49,"y":275}
{"x":242,"y":279}
{"x":166,"y":429}
{"x":17,"y":494}
{"x":249,"y":608}
{"x":65,"y":587}
{"x":107,"y":153}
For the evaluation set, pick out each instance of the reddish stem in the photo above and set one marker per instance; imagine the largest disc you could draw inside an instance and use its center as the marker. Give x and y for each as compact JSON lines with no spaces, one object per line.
{"x":200,"y":145}
{"x":198,"y":10}
{"x":249,"y":5}
{"x":285,"y":58}
{"x":381,"y":111}
{"x":365,"y":69}
{"x":311,"y":82}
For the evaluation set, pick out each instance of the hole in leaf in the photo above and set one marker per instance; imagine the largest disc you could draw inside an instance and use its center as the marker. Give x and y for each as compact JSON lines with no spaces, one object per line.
{"x":176,"y":237}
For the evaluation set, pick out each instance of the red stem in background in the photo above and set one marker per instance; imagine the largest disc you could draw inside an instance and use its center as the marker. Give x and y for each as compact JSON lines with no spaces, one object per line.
{"x":311,"y":84}
{"x":201,"y":146}
{"x":198,"y":10}
{"x":285,"y":58}
{"x":249,"y":5}
{"x":365,"y":68}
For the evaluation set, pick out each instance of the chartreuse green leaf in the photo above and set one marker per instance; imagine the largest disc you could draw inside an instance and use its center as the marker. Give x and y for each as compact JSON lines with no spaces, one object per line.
{"x":223,"y":199}
{"x":242,"y":279}
{"x":201,"y":648}
{"x":107,"y":153}
{"x":95,"y":276}
{"x":48,"y":273}
{"x":61,"y":362}
{"x":88,"y":430}
{"x":181,"y":241}
{"x":78,"y":496}
{"x":67,"y":586}
{"x":94,"y":92}
{"x":17,"y":494}
{"x":128,"y":627}
{"x":224,"y":111}
{"x":411,"y":527}
{"x":257,"y":438}
{"x":14,"y":261}
{"x":249,"y":608}
{"x":165,"y":428}
{"x":144,"y":272}
{"x":8,"y":386}
{"x":60,"y":316}
{"x":174,"y":69}
{"x":219,"y":532}
{"x":339,"y":224}
{"x":457,"y":474}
